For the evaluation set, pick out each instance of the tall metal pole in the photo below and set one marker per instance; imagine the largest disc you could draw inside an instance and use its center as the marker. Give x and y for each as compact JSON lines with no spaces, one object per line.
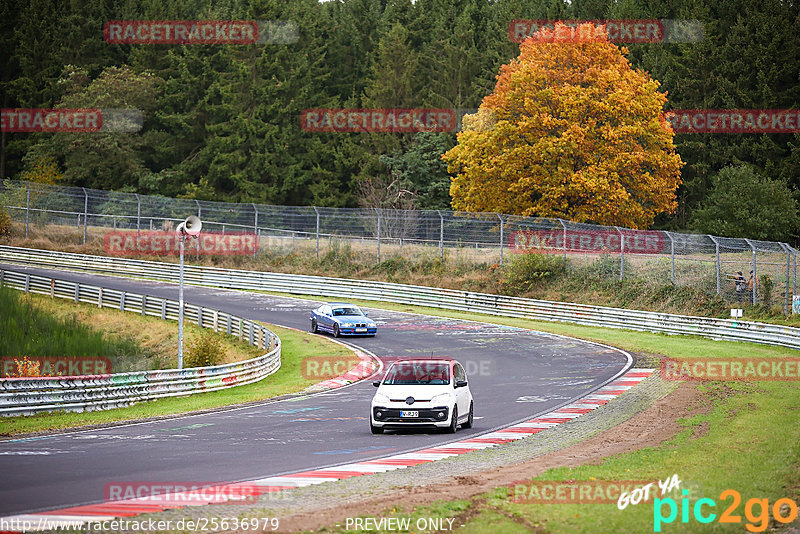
{"x":622,"y":254}
{"x":441,"y":236}
{"x":138,"y":214}
{"x":755,"y":271}
{"x":180,"y":306}
{"x":786,"y":299}
{"x":564,"y":230}
{"x":255,"y":228}
{"x":316,"y":211}
{"x":85,"y":212}
{"x":27,"y":207}
{"x":501,"y":237}
{"x":672,"y":258}
{"x":379,"y":234}
{"x":716,"y":246}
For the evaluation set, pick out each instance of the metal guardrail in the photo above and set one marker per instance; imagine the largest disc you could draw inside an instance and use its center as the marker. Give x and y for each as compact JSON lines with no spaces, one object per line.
{"x":27,"y":396}
{"x":450,"y":299}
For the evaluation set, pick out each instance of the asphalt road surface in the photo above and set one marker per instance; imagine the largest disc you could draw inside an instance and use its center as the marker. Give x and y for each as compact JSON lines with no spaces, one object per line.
{"x":514,"y":374}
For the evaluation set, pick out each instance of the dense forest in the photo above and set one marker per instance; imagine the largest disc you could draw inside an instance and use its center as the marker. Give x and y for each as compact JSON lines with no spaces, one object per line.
{"x":222,"y":122}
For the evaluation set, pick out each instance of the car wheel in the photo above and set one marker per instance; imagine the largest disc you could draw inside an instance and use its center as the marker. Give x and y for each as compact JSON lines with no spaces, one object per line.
{"x":454,"y":422}
{"x":376,"y":429}
{"x":336,"y":330}
{"x":468,"y":422}
{"x":314,"y":329}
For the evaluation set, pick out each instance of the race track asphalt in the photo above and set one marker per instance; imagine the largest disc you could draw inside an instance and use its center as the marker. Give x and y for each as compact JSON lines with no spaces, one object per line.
{"x":514,"y":374}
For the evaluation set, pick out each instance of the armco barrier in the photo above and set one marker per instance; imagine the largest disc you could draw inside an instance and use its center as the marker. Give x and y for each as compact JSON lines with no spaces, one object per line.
{"x":449,"y":299}
{"x":26,"y":396}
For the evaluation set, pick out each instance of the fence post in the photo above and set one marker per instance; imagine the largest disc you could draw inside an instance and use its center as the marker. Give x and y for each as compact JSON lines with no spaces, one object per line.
{"x":786,"y":298}
{"x":672,"y":258}
{"x":316,"y":211}
{"x":755,"y":271}
{"x":379,"y":233}
{"x":564,"y":230}
{"x":716,"y":246}
{"x":27,"y":207}
{"x":85,"y":212}
{"x":621,"y":256}
{"x":138,"y":215}
{"x":255,"y":227}
{"x":441,"y":236}
{"x":501,"y":237}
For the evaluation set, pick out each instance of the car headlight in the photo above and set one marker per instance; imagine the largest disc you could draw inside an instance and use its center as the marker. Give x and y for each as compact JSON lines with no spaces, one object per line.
{"x":348,"y":325}
{"x":441,"y":398}
{"x":380,"y":397}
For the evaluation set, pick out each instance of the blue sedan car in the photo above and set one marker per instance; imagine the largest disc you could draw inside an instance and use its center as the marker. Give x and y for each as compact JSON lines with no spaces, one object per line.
{"x":342,"y":319}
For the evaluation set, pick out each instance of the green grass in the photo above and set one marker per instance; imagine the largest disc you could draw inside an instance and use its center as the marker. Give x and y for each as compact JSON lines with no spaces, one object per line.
{"x":28,"y":330}
{"x":296,"y":346}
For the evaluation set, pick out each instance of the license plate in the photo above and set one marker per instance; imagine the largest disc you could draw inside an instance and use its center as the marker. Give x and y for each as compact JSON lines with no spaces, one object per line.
{"x":361,"y":329}
{"x":409,"y":414}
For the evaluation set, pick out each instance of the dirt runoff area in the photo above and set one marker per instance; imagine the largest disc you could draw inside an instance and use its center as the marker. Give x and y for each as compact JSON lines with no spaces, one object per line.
{"x":649,"y":428}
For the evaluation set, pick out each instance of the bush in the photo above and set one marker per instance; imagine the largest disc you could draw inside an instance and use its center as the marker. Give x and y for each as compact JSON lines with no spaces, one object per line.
{"x":204,"y":350}
{"x":606,"y":266}
{"x":525,"y":270}
{"x":5,"y":223}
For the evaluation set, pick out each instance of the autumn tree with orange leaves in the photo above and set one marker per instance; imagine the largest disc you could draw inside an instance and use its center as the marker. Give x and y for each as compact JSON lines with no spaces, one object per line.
{"x":571,"y":131}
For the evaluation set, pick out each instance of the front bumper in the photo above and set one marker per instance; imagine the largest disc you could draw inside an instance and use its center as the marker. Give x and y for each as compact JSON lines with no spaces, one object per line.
{"x":437,"y":416}
{"x":353,"y":331}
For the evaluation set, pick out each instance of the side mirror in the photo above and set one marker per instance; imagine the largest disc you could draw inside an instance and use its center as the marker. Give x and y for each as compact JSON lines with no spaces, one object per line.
{"x":366,"y":314}
{"x":376,"y":383}
{"x":461,"y":383}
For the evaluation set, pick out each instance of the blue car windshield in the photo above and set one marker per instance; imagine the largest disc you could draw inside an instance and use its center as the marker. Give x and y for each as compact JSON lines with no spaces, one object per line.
{"x":418,"y":374}
{"x":346,"y":311}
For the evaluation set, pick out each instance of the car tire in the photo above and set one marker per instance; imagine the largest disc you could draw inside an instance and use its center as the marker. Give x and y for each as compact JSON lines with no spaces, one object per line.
{"x":314,"y":329}
{"x":453,"y":422}
{"x":336,"y":330}
{"x":376,"y":429}
{"x":468,"y":422}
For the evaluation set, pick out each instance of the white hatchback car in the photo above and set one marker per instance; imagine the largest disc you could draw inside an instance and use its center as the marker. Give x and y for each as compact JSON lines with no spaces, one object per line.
{"x":422,"y":393}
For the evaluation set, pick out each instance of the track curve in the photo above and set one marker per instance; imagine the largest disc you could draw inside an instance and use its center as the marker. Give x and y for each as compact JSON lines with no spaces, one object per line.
{"x":516,"y":374}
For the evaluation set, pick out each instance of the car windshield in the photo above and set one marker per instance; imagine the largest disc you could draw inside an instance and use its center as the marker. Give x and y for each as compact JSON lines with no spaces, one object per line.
{"x":418,"y":374}
{"x":350,"y":310}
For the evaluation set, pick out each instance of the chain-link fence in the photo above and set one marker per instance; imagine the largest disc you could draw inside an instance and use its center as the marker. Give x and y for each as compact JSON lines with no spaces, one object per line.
{"x":713,"y":263}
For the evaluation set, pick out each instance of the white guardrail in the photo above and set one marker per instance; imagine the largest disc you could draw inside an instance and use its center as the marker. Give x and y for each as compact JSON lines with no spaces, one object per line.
{"x":450,"y":299}
{"x":27,"y":396}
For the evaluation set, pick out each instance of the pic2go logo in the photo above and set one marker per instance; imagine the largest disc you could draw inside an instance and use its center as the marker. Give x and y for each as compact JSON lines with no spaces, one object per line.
{"x":783,"y":510}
